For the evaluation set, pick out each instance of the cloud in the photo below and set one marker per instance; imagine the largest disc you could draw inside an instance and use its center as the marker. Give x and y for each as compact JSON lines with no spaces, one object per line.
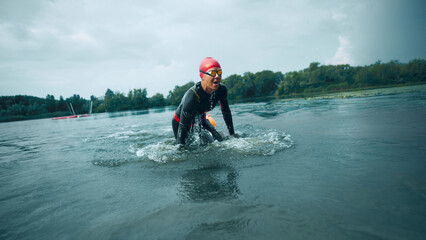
{"x":83,"y":37}
{"x":342,"y":55}
{"x":86,"y":46}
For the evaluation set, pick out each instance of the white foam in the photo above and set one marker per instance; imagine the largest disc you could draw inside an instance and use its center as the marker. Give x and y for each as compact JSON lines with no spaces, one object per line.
{"x":159,"y":152}
{"x":264,"y":142}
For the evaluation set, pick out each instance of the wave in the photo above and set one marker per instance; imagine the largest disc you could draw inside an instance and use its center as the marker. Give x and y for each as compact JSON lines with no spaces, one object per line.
{"x":251,"y":142}
{"x":158,"y":146}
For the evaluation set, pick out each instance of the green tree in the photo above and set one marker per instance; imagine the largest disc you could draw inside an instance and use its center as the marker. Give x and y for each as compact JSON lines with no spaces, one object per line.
{"x":96,"y":102}
{"x":109,"y":95}
{"x":119,"y":102}
{"x":62,"y":106}
{"x":50,"y":103}
{"x":139,"y":98}
{"x":77,"y":103}
{"x":234,"y":83}
{"x":266,"y":82}
{"x":157,"y":100}
{"x":18,"y":109}
{"x":290,"y":84}
{"x":35,"y":108}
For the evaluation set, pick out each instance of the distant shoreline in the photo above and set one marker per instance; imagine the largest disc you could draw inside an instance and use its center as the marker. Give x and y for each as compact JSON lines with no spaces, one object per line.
{"x":356,"y":92}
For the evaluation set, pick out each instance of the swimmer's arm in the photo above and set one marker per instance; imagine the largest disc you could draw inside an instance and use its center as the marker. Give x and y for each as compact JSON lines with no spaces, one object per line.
{"x":227,"y":115}
{"x":186,"y":117}
{"x":184,"y":127}
{"x":207,"y":125}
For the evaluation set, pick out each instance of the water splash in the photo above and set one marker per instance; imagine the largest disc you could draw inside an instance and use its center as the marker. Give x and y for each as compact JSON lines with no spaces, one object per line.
{"x":115,"y":149}
{"x":252,"y":141}
{"x":157,"y":145}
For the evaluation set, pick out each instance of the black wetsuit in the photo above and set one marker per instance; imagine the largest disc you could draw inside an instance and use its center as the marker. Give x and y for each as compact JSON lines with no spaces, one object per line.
{"x":196,"y":102}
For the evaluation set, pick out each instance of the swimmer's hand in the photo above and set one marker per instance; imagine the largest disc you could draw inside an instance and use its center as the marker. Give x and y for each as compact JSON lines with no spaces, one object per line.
{"x":235,"y":135}
{"x":217,"y":136}
{"x":181,"y":147}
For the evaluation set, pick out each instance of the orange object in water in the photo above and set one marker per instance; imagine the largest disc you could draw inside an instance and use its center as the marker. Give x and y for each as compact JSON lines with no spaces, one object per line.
{"x":212,"y":121}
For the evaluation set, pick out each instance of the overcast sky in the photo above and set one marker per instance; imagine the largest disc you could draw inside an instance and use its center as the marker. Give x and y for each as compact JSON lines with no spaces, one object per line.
{"x":86,"y":46}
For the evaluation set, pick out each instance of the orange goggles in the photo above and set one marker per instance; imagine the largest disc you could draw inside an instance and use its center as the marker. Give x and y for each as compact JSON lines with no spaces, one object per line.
{"x":212,"y":73}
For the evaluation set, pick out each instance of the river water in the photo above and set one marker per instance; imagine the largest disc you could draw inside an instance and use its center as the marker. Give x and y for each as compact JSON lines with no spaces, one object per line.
{"x":343,"y":166}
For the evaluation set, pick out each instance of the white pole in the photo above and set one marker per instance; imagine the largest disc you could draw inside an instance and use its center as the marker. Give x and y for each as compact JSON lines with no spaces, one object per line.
{"x":69,"y":109}
{"x":73,"y":113}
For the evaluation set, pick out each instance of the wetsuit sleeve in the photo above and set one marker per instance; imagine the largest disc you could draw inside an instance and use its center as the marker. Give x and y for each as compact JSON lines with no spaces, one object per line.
{"x":186,"y":117}
{"x":226,"y":111}
{"x":207,"y":125}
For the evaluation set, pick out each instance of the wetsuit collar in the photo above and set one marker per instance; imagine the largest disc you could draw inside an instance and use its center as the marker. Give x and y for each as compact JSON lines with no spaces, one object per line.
{"x":200,"y":85}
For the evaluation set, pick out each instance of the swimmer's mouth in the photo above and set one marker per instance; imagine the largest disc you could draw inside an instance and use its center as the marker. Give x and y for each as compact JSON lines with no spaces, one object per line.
{"x":216,"y":83}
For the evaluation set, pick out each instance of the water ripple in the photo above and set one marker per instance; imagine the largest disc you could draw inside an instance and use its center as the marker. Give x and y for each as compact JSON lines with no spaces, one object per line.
{"x":158,"y":145}
{"x":252,"y":141}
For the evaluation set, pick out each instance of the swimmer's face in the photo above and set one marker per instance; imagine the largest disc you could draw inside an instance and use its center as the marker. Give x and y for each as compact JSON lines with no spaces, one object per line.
{"x":211,"y":82}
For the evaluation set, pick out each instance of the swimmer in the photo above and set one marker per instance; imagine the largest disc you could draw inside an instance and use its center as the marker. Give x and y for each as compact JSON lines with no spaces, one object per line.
{"x":201,"y":98}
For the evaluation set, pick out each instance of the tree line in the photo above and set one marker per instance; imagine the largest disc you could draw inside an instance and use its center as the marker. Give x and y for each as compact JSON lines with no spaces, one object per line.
{"x":325,"y":79}
{"x":315,"y":79}
{"x":20,"y":107}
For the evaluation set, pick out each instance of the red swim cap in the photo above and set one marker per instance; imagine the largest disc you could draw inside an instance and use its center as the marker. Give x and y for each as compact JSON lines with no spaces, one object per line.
{"x":208,"y":63}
